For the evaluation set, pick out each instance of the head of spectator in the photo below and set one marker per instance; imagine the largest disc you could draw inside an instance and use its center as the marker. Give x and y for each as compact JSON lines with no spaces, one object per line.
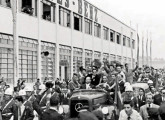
{"x":162,"y":111}
{"x":54,"y":101}
{"x":38,"y":80}
{"x":126,"y":66}
{"x":28,"y":91}
{"x":128,"y":106}
{"x":163,"y":92}
{"x":150,"y":82}
{"x":94,"y":70}
{"x":104,"y":79}
{"x":23,"y":94}
{"x":120,"y":77}
{"x":19,"y":101}
{"x":149,"y":98}
{"x":141,"y":91}
{"x":75,"y":78}
{"x":119,"y":68}
{"x":8,"y":94}
{"x":111,"y":67}
{"x":89,"y":70}
{"x":88,"y":80}
{"x":129,"y":90}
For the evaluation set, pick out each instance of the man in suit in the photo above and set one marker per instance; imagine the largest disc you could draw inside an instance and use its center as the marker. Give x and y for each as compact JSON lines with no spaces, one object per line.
{"x":22,"y":112}
{"x":87,"y":84}
{"x":144,"y":110}
{"x":162,"y":111}
{"x":121,"y":83}
{"x":141,"y":98}
{"x":84,"y":114}
{"x":49,"y":114}
{"x":159,"y":98}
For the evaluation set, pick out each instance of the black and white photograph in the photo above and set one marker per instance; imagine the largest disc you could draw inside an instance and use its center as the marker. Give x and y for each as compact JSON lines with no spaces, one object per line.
{"x":82,"y":60}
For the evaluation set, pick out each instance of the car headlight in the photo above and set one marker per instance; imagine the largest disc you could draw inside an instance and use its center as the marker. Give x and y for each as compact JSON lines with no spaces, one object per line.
{"x":104,"y":110}
{"x":60,"y":110}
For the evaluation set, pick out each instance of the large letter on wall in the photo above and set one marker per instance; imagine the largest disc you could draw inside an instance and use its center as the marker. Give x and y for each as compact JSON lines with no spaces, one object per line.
{"x":80,"y":6}
{"x":59,"y":2}
{"x":86,"y":9}
{"x":67,"y":3}
{"x":91,"y":12}
{"x":96,"y":19}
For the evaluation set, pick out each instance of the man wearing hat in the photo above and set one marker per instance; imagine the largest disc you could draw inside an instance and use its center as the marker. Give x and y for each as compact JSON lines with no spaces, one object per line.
{"x":128,"y":96}
{"x":159,"y":98}
{"x":6,"y":106}
{"x":149,"y":108}
{"x":22,"y":112}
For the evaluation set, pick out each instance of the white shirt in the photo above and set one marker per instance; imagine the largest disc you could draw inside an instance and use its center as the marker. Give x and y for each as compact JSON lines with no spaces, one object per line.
{"x":122,"y":73}
{"x":134,"y":116}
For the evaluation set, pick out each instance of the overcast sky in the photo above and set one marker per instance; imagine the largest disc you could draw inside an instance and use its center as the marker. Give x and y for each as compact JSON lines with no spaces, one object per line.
{"x":148,"y":14}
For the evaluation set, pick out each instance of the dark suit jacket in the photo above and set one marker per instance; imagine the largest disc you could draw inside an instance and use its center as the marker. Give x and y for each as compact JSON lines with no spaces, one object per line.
{"x":86,"y":115}
{"x":27,"y":113}
{"x":51,"y":114}
{"x":122,"y":88}
{"x":158,"y":99}
{"x":142,"y":101}
{"x":83,"y":86}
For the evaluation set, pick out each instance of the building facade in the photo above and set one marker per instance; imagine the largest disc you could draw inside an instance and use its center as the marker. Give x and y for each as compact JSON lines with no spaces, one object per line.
{"x":56,"y":37}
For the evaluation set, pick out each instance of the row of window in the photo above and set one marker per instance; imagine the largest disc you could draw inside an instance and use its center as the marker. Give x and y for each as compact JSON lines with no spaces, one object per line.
{"x":48,"y":13}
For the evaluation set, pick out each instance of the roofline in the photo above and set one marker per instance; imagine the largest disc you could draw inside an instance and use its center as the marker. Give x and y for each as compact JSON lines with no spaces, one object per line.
{"x":111,"y":16}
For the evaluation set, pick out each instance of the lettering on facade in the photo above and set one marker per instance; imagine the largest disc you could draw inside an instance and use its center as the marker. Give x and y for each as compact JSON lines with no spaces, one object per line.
{"x":80,"y":6}
{"x":67,"y":3}
{"x":91,"y":12}
{"x":85,"y":9}
{"x":59,"y":2}
{"x":96,"y":19}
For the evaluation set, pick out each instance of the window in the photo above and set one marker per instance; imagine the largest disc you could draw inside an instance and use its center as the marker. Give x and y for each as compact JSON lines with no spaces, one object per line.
{"x":118,"y":38}
{"x":5,"y":3}
{"x":105,"y":29}
{"x":77,"y":59}
{"x":88,"y":58}
{"x":48,"y":61}
{"x":88,"y":26}
{"x":112,"y":57}
{"x":106,"y":56}
{"x":97,"y":30}
{"x":124,"y":40}
{"x":48,"y":11}
{"x":77,"y":22}
{"x":28,"y":59}
{"x":29,"y":7}
{"x":133,"y":44}
{"x":112,"y":36}
{"x":97,"y":55}
{"x":64,"y":17}
{"x":128,"y":39}
{"x":65,"y":62}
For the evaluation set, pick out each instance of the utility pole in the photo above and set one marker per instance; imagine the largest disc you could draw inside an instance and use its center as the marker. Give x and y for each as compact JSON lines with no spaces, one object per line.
{"x":14,"y":7}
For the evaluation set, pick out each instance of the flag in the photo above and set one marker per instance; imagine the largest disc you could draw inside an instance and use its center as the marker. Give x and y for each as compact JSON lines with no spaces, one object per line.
{"x":138,"y":48}
{"x":118,"y":99}
{"x":150,"y":52}
{"x":147,"y":49}
{"x":14,"y":8}
{"x":142,"y":50}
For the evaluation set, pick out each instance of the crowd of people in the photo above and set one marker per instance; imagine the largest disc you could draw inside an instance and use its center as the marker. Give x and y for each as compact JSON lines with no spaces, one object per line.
{"x":43,"y":100}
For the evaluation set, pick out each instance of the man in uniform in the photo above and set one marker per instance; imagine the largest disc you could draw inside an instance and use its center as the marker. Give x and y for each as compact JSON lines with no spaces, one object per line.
{"x":6,"y":106}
